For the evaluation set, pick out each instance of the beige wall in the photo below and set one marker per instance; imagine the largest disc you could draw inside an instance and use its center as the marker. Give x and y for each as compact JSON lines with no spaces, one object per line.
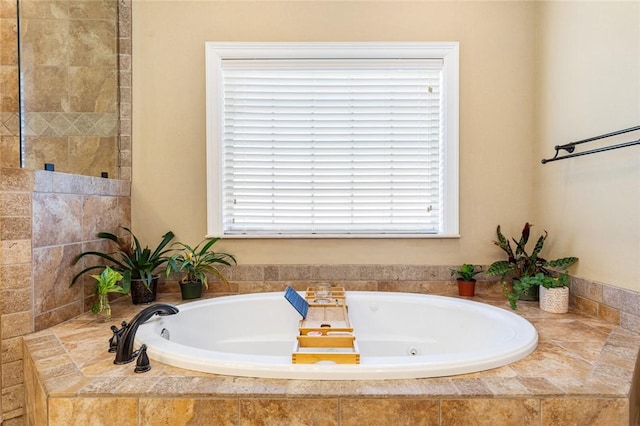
{"x":533,"y":75}
{"x":496,"y":115}
{"x":589,"y":84}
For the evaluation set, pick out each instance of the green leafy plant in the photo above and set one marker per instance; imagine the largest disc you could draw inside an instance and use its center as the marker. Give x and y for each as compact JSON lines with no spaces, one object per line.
{"x":130,"y":258}
{"x":520,"y":262}
{"x":562,"y":280}
{"x":194,"y":263}
{"x":106,"y":282}
{"x":466,"y":272}
{"x":525,"y":284}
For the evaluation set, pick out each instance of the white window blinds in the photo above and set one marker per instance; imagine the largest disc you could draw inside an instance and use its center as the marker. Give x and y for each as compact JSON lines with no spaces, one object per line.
{"x":332,"y":147}
{"x":332,"y":140}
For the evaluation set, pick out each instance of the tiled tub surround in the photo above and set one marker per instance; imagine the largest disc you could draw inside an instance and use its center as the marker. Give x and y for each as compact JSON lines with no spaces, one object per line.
{"x":612,"y":304}
{"x":45,"y":217}
{"x":68,"y":212}
{"x":581,"y":373}
{"x":33,"y":299}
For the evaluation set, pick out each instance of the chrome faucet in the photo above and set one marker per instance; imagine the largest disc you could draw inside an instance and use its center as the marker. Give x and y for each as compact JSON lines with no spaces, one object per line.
{"x":124,"y":348}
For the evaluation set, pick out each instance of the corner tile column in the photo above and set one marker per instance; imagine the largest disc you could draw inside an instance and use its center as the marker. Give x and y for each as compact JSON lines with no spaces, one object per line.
{"x":16,"y":314}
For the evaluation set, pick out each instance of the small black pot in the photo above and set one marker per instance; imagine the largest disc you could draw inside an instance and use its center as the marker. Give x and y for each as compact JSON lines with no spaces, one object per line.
{"x":141,"y":294}
{"x":191,"y":290}
{"x":531,"y":295}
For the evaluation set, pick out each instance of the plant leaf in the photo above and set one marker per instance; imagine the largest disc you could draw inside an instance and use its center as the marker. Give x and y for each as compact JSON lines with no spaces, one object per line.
{"x":539,"y":245}
{"x":562,"y":263}
{"x":503,"y":243}
{"x":524,"y":238}
{"x":501,"y":267}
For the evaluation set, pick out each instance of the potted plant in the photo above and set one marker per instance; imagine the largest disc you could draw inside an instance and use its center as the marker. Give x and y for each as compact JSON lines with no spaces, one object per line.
{"x":554,"y":291}
{"x":194,"y":263}
{"x":136,"y":263}
{"x":106,"y":282}
{"x":521,"y":264}
{"x":554,"y":294}
{"x":466,"y":279}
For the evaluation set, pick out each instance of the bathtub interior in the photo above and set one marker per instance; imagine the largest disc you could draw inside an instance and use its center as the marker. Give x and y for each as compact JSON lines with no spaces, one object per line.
{"x":399,"y":336}
{"x":234,"y":329}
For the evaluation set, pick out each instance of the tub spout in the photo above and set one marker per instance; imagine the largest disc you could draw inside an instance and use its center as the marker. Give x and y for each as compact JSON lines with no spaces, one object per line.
{"x":124,"y":350}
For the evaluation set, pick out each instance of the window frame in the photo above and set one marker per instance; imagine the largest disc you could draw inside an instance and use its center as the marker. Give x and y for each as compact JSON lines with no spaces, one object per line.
{"x":216,"y":52}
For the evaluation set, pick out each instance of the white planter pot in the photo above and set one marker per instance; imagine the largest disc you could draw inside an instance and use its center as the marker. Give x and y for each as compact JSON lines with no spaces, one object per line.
{"x":555,"y":300}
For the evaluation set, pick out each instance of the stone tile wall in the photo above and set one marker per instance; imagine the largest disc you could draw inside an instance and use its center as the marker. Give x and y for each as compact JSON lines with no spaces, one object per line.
{"x":45,"y":219}
{"x":86,"y":130}
{"x":76,"y":60}
{"x":344,"y":411}
{"x":9,"y":99}
{"x":124,"y":86}
{"x":613,"y":304}
{"x":68,"y":211}
{"x":16,"y":316}
{"x":82,"y":125}
{"x":25,"y":307}
{"x":69,"y":63}
{"x":15,"y":228}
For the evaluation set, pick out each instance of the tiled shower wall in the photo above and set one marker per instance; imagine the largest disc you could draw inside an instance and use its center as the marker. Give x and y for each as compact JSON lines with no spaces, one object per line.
{"x":9,"y":99}
{"x":83,"y":118}
{"x":69,"y":67}
{"x":124,"y":87}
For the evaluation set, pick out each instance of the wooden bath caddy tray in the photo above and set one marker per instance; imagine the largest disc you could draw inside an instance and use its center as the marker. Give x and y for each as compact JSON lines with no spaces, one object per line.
{"x":325,"y":333}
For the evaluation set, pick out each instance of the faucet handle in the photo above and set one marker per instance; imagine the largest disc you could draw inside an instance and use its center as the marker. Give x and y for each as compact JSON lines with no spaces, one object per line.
{"x":117,"y":335}
{"x":113,"y":341}
{"x":142,"y":363}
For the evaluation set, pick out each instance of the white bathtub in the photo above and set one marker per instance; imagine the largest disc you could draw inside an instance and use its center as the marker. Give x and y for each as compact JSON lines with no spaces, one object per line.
{"x":400,"y":335}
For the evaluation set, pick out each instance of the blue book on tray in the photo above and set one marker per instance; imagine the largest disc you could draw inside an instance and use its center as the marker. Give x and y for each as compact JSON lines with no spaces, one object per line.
{"x":297,"y":301}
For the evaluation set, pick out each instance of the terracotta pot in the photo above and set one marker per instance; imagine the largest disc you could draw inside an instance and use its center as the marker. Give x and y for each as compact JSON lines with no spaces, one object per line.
{"x":191,"y":290}
{"x":466,"y":288}
{"x":554,"y":300}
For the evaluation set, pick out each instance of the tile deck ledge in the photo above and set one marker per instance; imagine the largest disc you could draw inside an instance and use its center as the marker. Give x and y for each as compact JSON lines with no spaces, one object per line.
{"x":577,"y":357}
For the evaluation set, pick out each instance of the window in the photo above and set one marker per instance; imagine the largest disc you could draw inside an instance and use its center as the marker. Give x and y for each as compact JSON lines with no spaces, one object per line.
{"x":332,"y":139}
